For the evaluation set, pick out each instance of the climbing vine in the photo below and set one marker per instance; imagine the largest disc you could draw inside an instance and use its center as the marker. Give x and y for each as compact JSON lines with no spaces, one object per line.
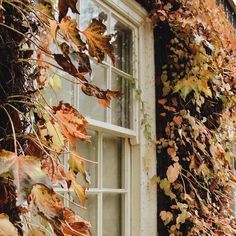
{"x":196,"y":118}
{"x":41,"y":44}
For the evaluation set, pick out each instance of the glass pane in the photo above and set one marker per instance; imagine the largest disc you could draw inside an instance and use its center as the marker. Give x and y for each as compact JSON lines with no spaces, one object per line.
{"x":89,"y":106}
{"x":90,"y":213}
{"x":112,"y":162}
{"x":121,"y":107}
{"x":89,"y":151}
{"x":112,"y":215}
{"x":59,"y":89}
{"x":90,"y":9}
{"x":123,"y":46}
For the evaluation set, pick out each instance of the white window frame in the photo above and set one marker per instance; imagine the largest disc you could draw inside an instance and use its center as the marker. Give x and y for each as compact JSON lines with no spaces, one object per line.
{"x":140,"y":195}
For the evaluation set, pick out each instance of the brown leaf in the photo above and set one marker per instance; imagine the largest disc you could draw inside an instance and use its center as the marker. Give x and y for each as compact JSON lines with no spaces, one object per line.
{"x":99,"y":44}
{"x":71,"y":122}
{"x":104,"y":97}
{"x":75,"y":225}
{"x":63,"y":7}
{"x":69,"y":30}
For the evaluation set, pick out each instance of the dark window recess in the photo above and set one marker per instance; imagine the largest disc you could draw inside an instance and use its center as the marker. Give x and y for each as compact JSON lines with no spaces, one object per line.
{"x":230,"y":11}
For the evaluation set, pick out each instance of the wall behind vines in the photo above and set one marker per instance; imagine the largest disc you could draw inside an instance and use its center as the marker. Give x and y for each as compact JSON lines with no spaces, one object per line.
{"x":196,"y":82}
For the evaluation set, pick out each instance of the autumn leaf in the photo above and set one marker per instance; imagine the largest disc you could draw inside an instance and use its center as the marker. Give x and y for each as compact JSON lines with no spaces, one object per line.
{"x":26,"y":171}
{"x":173,"y":172}
{"x":63,"y":7}
{"x":186,"y":86}
{"x":6,"y":227}
{"x":98,"y":43}
{"x":72,"y":123}
{"x":75,"y":225}
{"x":103,"y":96}
{"x":79,"y":190}
{"x":76,"y":165}
{"x":69,"y":30}
{"x":36,"y":232}
{"x":84,"y":63}
{"x":66,"y":64}
{"x":44,"y":202}
{"x":166,"y":216}
{"x":50,"y":135}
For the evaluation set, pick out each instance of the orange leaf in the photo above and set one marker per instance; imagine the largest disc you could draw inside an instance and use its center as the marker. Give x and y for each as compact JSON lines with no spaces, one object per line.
{"x":71,"y":122}
{"x":173,"y":172}
{"x":99,"y":44}
{"x":69,"y":30}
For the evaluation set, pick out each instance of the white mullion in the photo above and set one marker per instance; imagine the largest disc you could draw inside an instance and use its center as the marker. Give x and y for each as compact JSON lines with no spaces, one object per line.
{"x":100,"y":181}
{"x":109,"y":71}
{"x":127,"y":187}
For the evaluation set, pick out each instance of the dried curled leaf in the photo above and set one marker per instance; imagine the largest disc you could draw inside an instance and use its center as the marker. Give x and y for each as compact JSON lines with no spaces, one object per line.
{"x":72,"y":123}
{"x":6,"y":227}
{"x":98,"y":43}
{"x":63,"y":7}
{"x":104,"y":96}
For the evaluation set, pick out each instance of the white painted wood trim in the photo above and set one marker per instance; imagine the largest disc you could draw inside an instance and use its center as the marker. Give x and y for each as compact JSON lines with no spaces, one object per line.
{"x":144,"y":194}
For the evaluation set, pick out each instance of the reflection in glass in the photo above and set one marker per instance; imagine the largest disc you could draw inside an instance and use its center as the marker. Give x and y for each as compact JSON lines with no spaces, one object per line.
{"x":121,"y":107}
{"x":89,"y":106}
{"x":65,"y":93}
{"x":112,"y":215}
{"x":88,"y":150}
{"x":90,"y":213}
{"x":112,"y":162}
{"x":89,"y":10}
{"x":123,"y":46}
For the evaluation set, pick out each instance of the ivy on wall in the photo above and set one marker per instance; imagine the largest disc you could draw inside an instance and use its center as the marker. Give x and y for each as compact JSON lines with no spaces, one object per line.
{"x":196,"y":83}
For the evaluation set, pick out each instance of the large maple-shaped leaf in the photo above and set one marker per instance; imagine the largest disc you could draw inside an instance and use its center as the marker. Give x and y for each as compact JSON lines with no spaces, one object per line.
{"x":71,"y":122}
{"x":63,"y":7}
{"x":25,"y":170}
{"x":69,"y":30}
{"x":186,"y":86}
{"x":99,"y":43}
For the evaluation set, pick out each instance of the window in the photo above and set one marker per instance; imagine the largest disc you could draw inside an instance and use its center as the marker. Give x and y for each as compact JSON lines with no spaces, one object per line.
{"x":114,"y":199}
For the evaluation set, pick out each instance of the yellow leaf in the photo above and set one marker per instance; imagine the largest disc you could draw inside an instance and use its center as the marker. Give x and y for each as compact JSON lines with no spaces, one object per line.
{"x":79,"y":190}
{"x":6,"y":227}
{"x":51,"y":135}
{"x":228,"y":157}
{"x":166,"y":216}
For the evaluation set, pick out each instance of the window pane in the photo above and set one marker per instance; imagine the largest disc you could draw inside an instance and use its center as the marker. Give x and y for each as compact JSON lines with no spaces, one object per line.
{"x":89,"y":151}
{"x":112,"y":162}
{"x":112,"y":215}
{"x":123,"y":46}
{"x":121,"y":107}
{"x":63,"y":91}
{"x":89,"y":106}
{"x":90,"y":213}
{"x":90,"y":9}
